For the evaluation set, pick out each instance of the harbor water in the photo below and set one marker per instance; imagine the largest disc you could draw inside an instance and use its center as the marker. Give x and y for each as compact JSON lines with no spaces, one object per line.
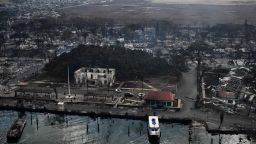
{"x":44,"y":128}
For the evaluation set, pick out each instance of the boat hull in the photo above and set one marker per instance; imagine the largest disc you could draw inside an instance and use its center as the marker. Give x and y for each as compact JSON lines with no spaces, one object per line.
{"x":16,"y":131}
{"x":154,"y":139}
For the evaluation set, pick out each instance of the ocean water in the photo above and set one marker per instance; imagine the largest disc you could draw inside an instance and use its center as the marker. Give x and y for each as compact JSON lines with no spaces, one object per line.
{"x":66,"y":129}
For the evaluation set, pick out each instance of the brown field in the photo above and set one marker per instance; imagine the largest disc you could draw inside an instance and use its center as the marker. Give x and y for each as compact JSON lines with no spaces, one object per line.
{"x":4,"y":1}
{"x":193,"y":14}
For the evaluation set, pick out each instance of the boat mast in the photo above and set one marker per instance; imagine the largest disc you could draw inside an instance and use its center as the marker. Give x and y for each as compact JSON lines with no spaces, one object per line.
{"x":68,"y":83}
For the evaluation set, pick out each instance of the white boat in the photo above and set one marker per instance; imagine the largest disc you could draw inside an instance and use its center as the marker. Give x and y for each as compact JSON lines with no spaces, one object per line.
{"x":154,"y":133}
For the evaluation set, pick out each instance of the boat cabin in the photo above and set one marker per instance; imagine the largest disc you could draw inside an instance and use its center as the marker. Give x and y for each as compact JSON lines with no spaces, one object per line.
{"x":153,"y":130}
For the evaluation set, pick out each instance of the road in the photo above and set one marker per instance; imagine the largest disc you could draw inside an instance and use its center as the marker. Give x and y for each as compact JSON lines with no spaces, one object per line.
{"x":187,"y":90}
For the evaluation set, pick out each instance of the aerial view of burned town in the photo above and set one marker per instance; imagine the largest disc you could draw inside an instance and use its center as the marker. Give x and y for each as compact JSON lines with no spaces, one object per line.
{"x":128,"y":71}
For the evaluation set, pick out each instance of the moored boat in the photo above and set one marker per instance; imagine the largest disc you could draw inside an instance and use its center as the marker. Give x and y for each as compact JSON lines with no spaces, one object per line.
{"x":154,"y":133}
{"x":16,"y":130}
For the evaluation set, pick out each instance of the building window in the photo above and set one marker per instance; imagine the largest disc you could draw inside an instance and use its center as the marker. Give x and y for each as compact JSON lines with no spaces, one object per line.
{"x":152,"y":102}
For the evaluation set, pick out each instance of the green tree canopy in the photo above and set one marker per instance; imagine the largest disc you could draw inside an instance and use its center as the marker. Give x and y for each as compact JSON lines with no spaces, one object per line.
{"x":128,"y":64}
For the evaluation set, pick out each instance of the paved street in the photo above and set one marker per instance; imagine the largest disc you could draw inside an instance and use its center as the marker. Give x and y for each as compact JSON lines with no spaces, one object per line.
{"x":187,"y":90}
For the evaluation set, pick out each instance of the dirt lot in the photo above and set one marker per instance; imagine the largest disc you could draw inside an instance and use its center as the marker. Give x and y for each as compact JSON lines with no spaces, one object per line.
{"x":163,"y":82}
{"x":134,"y":84}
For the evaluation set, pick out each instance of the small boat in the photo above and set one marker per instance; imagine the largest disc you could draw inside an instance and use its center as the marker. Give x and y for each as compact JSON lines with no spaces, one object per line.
{"x":16,"y":130}
{"x":154,"y":133}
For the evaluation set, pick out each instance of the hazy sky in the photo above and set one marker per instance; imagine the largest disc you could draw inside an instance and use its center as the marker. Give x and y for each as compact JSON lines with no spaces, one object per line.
{"x":215,"y":2}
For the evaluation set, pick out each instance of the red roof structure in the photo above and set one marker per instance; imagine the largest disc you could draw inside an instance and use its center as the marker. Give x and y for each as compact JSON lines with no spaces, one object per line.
{"x":159,"y":95}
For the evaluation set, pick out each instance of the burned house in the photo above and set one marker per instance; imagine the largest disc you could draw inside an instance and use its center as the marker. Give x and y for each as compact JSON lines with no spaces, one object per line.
{"x":95,"y":76}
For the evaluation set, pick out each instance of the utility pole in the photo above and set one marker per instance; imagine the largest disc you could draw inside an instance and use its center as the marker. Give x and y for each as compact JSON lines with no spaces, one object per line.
{"x":142,"y":84}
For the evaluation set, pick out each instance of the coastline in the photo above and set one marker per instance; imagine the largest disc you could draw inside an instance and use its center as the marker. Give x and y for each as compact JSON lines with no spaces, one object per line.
{"x":121,"y":113}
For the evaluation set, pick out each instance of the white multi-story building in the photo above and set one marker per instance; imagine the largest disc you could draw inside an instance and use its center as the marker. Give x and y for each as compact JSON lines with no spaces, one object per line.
{"x":95,"y":76}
